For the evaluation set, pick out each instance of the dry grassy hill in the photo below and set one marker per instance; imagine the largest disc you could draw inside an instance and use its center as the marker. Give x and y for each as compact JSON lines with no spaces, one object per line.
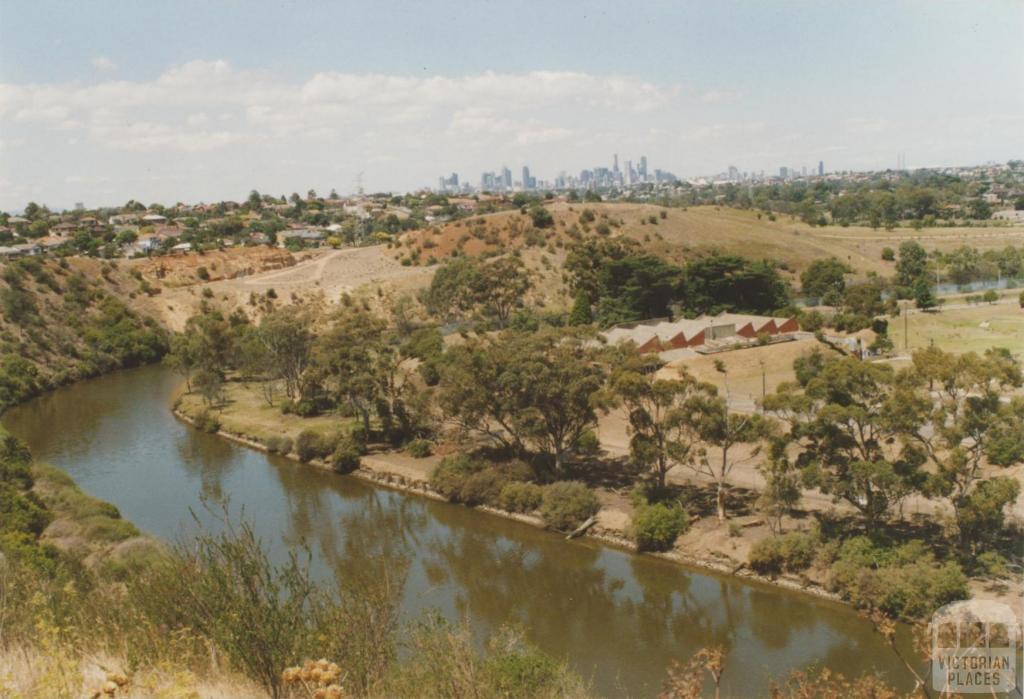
{"x":683,"y":233}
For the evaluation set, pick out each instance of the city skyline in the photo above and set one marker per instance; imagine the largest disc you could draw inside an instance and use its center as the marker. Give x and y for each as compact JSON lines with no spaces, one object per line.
{"x":139,"y":101}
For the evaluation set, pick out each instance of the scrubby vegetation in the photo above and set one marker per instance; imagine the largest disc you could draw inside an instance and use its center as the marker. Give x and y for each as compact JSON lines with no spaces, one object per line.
{"x":656,"y":527}
{"x":567,"y":504}
{"x":59,"y":325}
{"x":520,"y":497}
{"x":792,"y":553}
{"x":240,"y":615}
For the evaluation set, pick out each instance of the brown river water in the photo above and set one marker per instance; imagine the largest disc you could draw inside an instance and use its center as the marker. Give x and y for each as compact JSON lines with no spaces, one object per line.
{"x":616,"y":617}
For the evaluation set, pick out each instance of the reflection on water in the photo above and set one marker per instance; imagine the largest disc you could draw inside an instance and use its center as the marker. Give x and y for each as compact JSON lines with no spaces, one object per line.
{"x":619,"y":619}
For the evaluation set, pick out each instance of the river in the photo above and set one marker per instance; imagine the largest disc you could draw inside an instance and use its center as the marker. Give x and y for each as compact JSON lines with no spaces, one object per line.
{"x":619,"y":619}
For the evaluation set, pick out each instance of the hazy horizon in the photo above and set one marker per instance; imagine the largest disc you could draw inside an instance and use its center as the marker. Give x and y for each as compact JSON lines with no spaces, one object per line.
{"x":202,"y":101}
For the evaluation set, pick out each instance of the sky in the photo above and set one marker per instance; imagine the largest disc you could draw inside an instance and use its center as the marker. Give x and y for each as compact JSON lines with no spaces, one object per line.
{"x":102,"y":102}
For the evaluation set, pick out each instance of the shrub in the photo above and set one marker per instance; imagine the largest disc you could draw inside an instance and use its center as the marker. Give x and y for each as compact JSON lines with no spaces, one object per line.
{"x":812,"y":321}
{"x":791,"y":552}
{"x":310,"y":445}
{"x":359,"y":436}
{"x":419,"y":448}
{"x":541,"y":217}
{"x":906,"y":581}
{"x":567,"y":504}
{"x":483,"y":487}
{"x":345,"y":458}
{"x":520,"y":497}
{"x":205,"y":421}
{"x":515,"y":669}
{"x":302,"y":408}
{"x":588,"y":444}
{"x":656,"y":527}
{"x":888,"y":254}
{"x":278,"y":444}
{"x":449,"y":475}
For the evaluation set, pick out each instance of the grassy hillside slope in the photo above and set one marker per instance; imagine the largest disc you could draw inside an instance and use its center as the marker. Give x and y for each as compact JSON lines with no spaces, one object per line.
{"x":69,"y":319}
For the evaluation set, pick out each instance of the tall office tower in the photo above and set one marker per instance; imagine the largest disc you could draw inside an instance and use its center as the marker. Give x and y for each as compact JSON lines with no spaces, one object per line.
{"x":526,"y":177}
{"x":615,"y":166}
{"x":734,"y":173}
{"x":506,"y":177}
{"x":441,"y":184}
{"x":643,"y":167}
{"x":783,"y":172}
{"x":821,"y":168}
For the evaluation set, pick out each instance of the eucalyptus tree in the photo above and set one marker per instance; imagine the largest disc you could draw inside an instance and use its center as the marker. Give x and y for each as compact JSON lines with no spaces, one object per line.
{"x":661,"y":436}
{"x":844,"y":424}
{"x":951,"y":406}
{"x":527,"y":391}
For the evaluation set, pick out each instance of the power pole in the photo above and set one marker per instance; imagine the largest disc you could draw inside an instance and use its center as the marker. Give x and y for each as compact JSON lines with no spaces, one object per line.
{"x":906,"y":332}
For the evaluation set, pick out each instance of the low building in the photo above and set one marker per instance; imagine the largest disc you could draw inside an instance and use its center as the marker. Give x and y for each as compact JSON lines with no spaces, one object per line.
{"x":662,"y":335}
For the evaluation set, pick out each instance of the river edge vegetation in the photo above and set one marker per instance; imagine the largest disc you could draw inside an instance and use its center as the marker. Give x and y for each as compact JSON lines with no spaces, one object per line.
{"x":108,"y":616}
{"x":375,"y":390}
{"x":514,"y":413}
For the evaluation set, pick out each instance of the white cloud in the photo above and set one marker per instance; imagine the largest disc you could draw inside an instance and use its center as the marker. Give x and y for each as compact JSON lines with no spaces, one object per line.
{"x":103,"y":64}
{"x":205,"y":129}
{"x":719,"y":96}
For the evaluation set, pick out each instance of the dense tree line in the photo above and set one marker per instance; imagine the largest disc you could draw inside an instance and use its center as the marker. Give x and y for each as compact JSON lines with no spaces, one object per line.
{"x":919,"y":198}
{"x":620,"y":283}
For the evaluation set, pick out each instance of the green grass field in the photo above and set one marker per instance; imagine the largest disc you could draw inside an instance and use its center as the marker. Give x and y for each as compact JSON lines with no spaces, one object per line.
{"x":962,"y":330}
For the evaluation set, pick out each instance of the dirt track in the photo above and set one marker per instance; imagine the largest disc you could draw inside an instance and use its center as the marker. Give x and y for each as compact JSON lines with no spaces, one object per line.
{"x":330,"y":272}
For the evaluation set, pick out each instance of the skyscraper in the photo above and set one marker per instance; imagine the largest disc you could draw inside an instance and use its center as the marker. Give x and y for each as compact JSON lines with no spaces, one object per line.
{"x":526,"y":178}
{"x":821,"y":168}
{"x":643,"y":167}
{"x":615,"y":166}
{"x":506,"y":177}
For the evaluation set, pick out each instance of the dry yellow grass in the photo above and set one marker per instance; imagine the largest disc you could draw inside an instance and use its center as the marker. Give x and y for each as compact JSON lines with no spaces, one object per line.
{"x":686,"y":232}
{"x":53,"y":672}
{"x":744,"y":369}
{"x":246,"y":413}
{"x":962,"y":329}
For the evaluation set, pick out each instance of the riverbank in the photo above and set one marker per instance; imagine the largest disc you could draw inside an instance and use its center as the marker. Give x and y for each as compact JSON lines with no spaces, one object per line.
{"x":708,"y":545}
{"x":618,"y":619}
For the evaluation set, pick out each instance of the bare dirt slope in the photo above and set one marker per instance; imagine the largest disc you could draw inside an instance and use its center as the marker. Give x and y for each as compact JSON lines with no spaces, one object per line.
{"x":184,"y":270}
{"x":323,"y":274}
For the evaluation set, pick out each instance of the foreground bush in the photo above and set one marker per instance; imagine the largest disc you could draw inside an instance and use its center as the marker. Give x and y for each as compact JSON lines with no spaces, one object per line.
{"x":520,"y":496}
{"x":656,"y":527}
{"x":791,"y":553}
{"x":445,"y":663}
{"x":567,"y":504}
{"x":906,"y":581}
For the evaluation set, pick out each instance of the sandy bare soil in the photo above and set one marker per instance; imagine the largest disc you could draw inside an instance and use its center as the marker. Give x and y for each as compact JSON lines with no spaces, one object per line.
{"x":326,"y":273}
